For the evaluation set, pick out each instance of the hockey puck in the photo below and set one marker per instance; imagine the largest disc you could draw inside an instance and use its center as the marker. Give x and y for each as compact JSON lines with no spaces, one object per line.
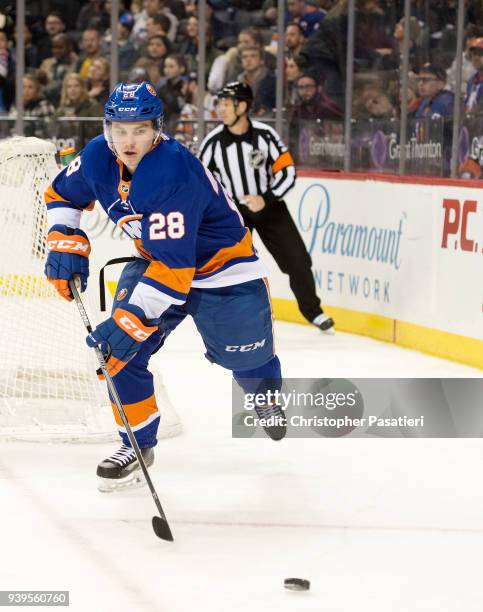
{"x":296,"y":584}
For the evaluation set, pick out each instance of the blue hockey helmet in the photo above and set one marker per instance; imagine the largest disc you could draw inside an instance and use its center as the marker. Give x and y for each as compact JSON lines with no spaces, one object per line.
{"x":130,"y":103}
{"x":133,"y":102}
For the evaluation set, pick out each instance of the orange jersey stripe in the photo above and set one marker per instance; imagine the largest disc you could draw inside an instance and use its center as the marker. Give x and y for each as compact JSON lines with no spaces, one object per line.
{"x":128,"y":218}
{"x":123,"y":193}
{"x":240,"y":249}
{"x":282,"y":162}
{"x":139,"y":246}
{"x":50,"y":195}
{"x":137,"y":413}
{"x":178,"y":279}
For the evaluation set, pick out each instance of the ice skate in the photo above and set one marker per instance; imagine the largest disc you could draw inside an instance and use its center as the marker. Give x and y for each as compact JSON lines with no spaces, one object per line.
{"x":325,"y":324}
{"x":274,"y":416}
{"x":122,"y":471}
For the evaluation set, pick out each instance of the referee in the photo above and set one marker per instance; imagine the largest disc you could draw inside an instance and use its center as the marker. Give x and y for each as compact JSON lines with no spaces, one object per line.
{"x":257,"y":170}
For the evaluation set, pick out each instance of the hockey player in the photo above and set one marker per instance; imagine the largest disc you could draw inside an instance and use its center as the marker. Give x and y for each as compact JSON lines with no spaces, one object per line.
{"x":194,"y":256}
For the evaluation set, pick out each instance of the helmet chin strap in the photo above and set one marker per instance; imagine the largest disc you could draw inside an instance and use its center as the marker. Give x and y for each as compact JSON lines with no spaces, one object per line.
{"x":238,"y":117}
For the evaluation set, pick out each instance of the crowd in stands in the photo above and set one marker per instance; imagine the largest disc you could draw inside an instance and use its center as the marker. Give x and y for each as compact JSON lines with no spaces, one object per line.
{"x":68,"y":49}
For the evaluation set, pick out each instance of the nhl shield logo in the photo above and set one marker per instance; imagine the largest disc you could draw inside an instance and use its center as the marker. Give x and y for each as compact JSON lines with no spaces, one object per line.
{"x":256,"y":158}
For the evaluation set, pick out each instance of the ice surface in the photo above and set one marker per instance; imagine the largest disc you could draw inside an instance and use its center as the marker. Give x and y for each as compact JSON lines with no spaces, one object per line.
{"x":376,"y":525}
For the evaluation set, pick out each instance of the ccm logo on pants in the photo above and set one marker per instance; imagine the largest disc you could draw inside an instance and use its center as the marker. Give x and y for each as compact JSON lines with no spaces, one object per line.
{"x":243,"y":348}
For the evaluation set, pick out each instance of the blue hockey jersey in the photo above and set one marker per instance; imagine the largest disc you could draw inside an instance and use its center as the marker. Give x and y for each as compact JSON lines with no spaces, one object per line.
{"x":176,"y":212}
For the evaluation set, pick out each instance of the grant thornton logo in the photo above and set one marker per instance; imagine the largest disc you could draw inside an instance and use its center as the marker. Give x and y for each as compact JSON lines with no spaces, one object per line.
{"x":370,"y":242}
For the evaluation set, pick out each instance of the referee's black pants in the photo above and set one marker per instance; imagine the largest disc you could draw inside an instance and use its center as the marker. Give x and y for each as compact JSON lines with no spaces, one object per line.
{"x":280,"y":236}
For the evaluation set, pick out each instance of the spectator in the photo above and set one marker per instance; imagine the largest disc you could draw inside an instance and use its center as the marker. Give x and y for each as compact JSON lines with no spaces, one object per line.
{"x":31,"y":50}
{"x":75,"y":102}
{"x":54,"y":24}
{"x":63,"y":61}
{"x":259,"y":78}
{"x":98,"y":82}
{"x":294,"y":38}
{"x":127,"y":52}
{"x":414,"y":100}
{"x":312,"y":17}
{"x":173,"y":91}
{"x":35,"y":106}
{"x":148,"y":70}
{"x":187,"y":126}
{"x":312,"y":102}
{"x":324,"y":53}
{"x":157,"y":25}
{"x":467,"y":68}
{"x":150,"y":9}
{"x":125,"y":17}
{"x":474,"y":91}
{"x":436,"y":100}
{"x":188,"y":44}
{"x":295,"y":10}
{"x":138,"y":74}
{"x":377,"y":104}
{"x":292,"y":73}
{"x":158,"y":49}
{"x":91,"y":50}
{"x":391,"y":59}
{"x":226,"y":67}
{"x":91,"y":15}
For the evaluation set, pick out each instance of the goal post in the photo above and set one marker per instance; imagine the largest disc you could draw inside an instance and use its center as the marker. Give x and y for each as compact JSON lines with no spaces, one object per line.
{"x":48,"y":383}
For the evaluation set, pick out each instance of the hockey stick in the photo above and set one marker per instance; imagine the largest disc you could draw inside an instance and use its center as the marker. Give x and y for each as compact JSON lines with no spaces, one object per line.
{"x":160,"y":523}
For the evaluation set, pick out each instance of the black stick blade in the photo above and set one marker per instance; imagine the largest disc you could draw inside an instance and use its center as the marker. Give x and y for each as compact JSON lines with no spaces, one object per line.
{"x":161,"y":529}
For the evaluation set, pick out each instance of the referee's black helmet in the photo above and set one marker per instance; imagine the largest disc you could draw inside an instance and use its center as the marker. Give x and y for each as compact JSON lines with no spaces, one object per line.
{"x":237,"y":91}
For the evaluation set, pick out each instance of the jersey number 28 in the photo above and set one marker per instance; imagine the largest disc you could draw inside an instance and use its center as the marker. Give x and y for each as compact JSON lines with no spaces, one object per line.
{"x":166,"y":226}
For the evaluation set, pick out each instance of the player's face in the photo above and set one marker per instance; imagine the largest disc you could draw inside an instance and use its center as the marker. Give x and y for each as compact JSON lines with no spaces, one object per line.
{"x":132,"y":141}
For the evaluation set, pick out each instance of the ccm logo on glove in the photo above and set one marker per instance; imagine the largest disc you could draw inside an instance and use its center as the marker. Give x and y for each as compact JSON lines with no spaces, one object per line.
{"x":68,"y":258}
{"x":132,"y":325}
{"x":57,"y":242}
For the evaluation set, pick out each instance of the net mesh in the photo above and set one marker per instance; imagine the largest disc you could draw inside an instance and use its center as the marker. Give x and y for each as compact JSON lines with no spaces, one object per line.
{"x":48,"y":385}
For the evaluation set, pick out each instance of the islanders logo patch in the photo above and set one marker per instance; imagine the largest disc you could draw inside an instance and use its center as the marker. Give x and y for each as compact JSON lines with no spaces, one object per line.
{"x":121,"y":295}
{"x":151,"y":89}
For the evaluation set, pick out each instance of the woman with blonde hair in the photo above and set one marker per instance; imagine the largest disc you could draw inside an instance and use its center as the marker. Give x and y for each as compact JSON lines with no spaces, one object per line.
{"x":75,"y":102}
{"x":99,"y":71}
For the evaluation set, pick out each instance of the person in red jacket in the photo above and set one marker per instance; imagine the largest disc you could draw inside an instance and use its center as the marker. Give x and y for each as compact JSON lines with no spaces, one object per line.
{"x":313,"y":103}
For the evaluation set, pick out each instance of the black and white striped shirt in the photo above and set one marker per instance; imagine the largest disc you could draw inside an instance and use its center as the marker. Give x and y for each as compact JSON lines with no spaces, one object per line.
{"x":254,"y":163}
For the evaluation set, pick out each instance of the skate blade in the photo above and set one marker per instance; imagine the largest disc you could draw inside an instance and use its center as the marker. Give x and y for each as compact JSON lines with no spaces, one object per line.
{"x":113,"y":485}
{"x":329,"y":332}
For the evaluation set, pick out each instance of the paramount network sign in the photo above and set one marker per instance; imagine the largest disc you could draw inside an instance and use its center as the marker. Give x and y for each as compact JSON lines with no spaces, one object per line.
{"x":377,"y":244}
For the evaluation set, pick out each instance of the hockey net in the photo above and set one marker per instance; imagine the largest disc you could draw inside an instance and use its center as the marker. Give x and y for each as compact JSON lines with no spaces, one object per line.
{"x":48,"y":385}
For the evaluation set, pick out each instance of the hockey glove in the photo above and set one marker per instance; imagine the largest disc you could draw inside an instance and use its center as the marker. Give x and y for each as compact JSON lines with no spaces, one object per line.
{"x":120,"y":337}
{"x":68,"y":257}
